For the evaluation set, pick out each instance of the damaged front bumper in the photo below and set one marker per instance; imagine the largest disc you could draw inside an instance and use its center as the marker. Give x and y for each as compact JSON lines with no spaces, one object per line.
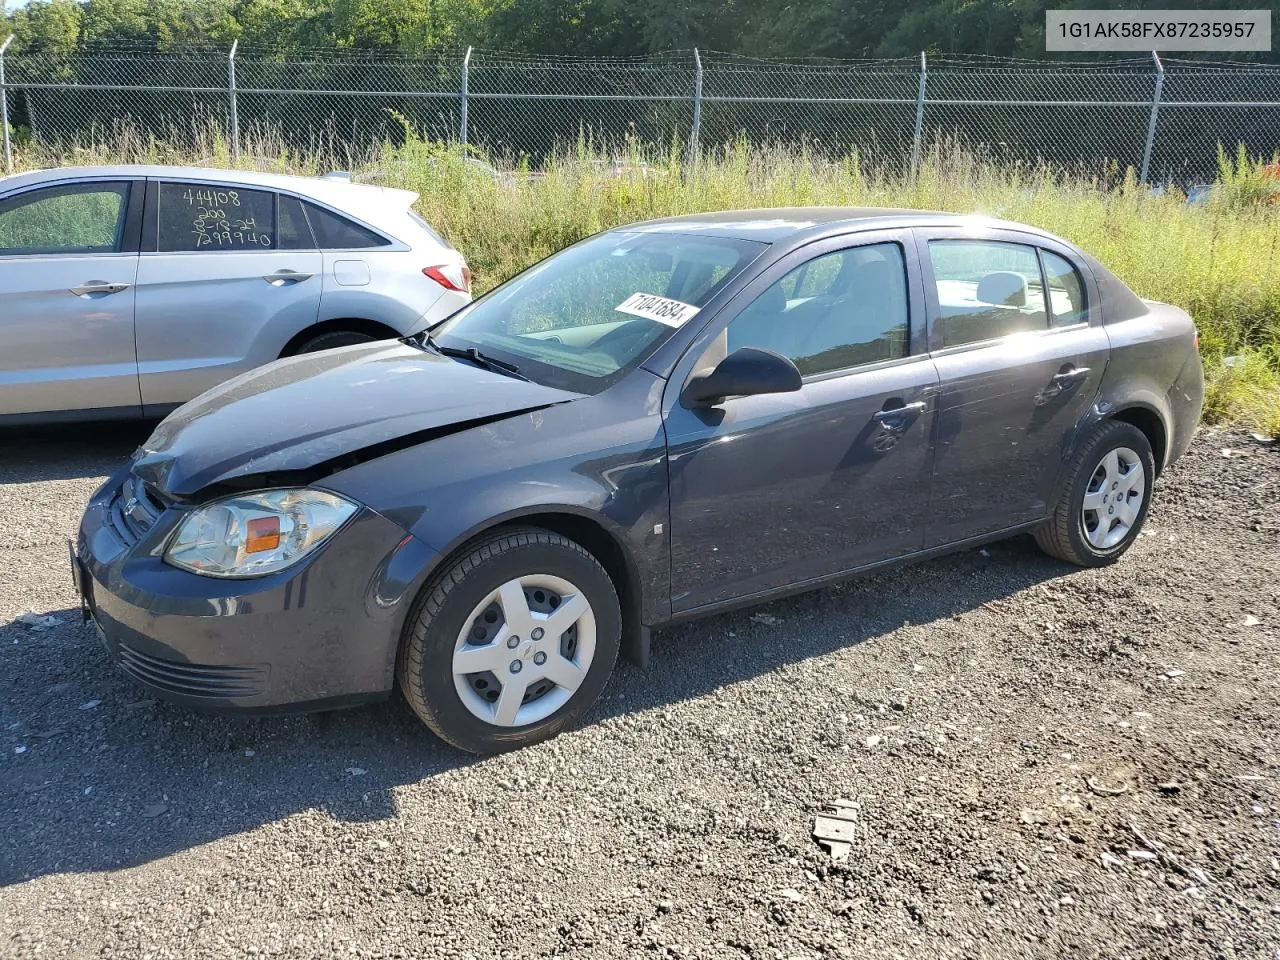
{"x":321,"y":633}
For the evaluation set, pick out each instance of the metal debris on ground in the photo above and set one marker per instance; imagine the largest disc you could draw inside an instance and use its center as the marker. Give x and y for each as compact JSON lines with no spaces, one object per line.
{"x":1102,"y":791}
{"x":835,"y":828}
{"x":37,"y":622}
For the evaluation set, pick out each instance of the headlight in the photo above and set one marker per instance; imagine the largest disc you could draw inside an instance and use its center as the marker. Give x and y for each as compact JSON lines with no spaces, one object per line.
{"x":256,"y":533}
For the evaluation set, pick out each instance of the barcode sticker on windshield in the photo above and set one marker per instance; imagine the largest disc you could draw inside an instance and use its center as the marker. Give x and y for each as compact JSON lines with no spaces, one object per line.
{"x":673,"y":313}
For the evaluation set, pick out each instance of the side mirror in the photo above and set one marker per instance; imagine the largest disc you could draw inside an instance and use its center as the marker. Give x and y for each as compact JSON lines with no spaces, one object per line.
{"x":746,"y":372}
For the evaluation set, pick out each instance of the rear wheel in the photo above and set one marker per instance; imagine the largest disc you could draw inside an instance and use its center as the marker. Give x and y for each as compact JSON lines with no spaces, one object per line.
{"x":511,"y":643}
{"x":1104,"y":501}
{"x":333,"y":339}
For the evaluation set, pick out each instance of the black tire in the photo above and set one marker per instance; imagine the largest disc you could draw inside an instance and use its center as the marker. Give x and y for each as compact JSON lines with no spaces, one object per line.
{"x":1063,"y":535}
{"x":332,"y":340}
{"x":425,"y":666}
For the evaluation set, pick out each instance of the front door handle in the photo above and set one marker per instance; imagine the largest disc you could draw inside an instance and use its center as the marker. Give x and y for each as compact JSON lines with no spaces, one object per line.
{"x":285,"y":278}
{"x":897,"y":419}
{"x":102,"y":287}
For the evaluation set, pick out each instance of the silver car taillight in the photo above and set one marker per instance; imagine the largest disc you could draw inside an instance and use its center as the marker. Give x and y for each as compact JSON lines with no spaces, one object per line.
{"x":451,"y":276}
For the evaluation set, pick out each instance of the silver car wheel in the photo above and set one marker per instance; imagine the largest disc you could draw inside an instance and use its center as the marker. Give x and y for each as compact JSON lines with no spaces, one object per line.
{"x":524,"y":650}
{"x":1113,"y":499}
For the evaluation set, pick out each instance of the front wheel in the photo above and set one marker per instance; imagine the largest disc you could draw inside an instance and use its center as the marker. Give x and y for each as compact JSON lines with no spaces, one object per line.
{"x":512,"y":642}
{"x":1105,"y":499}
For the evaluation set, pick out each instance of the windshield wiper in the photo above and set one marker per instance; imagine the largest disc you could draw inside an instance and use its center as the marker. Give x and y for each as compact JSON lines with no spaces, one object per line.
{"x":475,"y":356}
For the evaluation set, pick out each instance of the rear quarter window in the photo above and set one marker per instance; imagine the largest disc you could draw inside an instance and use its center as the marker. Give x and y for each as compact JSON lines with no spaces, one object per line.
{"x":335,"y":232}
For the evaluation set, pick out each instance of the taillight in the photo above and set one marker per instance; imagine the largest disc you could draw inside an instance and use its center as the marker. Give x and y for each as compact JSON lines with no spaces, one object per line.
{"x":1196,"y":341}
{"x":451,"y":276}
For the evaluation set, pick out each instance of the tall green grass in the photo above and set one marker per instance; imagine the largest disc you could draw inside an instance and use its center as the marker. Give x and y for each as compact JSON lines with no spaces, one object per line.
{"x":1219,"y":260}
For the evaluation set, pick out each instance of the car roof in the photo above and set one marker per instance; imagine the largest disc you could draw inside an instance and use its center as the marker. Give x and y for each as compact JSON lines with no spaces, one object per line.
{"x":381,"y":207}
{"x":775,"y":224}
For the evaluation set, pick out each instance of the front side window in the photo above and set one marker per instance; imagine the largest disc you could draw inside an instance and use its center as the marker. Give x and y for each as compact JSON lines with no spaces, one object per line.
{"x":840,"y":310}
{"x":208,"y":217}
{"x":986,"y":290}
{"x":584,"y":317}
{"x":1066,"y":290}
{"x":70,"y":219}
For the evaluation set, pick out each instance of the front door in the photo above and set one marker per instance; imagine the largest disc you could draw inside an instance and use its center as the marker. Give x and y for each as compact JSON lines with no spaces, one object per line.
{"x":225,"y":280}
{"x":1019,"y":368}
{"x":776,"y":490}
{"x":68,"y":259}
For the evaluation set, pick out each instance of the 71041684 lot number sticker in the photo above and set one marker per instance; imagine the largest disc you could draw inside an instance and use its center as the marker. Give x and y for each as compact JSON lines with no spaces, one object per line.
{"x":673,"y":313}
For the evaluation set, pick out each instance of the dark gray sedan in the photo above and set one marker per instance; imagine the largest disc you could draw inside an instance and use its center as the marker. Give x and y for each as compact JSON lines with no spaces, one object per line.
{"x":663,"y":421}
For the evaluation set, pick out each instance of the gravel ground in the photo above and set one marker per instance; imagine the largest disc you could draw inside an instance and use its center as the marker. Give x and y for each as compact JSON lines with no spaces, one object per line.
{"x":1045,"y":762}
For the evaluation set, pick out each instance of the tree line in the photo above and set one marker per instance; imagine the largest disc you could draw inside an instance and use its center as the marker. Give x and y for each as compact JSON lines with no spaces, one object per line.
{"x":764,"y":28}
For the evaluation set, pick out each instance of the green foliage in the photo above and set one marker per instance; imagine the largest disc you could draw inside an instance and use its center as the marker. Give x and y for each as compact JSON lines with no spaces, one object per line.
{"x":1244,"y":181}
{"x":49,"y":25}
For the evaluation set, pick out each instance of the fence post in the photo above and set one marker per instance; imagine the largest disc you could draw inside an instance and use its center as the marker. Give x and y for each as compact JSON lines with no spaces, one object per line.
{"x":231,"y":90}
{"x":463,"y":110}
{"x":696,"y":130}
{"x":4,"y":108}
{"x":919,"y":131}
{"x":1151,"y":123}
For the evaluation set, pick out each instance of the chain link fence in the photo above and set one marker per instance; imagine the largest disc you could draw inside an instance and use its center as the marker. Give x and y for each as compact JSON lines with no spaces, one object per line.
{"x":1166,"y":120}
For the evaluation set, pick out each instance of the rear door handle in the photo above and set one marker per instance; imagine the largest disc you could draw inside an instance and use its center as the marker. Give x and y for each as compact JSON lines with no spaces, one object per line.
{"x":899,"y":418}
{"x":1069,"y":378}
{"x":98,"y":286}
{"x":1062,"y":382}
{"x":284,"y":278}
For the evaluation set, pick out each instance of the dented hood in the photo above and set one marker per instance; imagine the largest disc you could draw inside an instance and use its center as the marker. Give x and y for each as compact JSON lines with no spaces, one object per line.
{"x":305,"y":417}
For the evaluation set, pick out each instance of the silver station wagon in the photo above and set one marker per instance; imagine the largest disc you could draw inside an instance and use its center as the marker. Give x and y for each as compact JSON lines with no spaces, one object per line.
{"x":127,"y":290}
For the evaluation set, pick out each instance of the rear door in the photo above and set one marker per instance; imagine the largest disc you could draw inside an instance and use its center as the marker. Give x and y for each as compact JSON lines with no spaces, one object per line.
{"x":1018,"y":371}
{"x":776,"y":490}
{"x":226,"y":277}
{"x":68,"y":259}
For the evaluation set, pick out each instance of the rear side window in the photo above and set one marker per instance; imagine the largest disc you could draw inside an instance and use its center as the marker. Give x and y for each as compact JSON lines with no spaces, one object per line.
{"x":334,"y":232}
{"x":74,"y":218}
{"x":1066,"y":290}
{"x":986,"y":290}
{"x":202,"y":217}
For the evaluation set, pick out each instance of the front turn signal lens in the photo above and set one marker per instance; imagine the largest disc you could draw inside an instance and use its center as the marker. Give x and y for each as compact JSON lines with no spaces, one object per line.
{"x":263,"y":534}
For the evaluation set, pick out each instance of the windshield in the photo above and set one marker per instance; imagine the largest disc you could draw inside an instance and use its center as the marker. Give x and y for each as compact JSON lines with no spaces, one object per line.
{"x":584,"y":318}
